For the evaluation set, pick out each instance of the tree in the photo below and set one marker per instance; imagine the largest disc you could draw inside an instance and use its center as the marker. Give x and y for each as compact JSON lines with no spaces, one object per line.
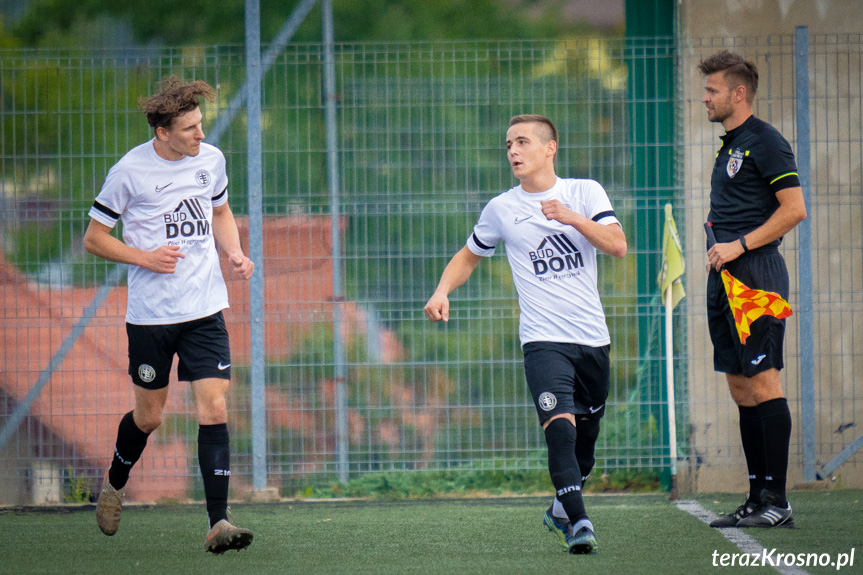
{"x":204,"y":22}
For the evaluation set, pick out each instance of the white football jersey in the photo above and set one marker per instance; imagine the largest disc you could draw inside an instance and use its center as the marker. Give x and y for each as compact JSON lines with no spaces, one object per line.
{"x":163,"y":202}
{"x":553,"y":265}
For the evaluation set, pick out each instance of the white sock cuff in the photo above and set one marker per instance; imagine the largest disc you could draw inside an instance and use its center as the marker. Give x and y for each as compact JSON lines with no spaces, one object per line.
{"x":557,"y":509}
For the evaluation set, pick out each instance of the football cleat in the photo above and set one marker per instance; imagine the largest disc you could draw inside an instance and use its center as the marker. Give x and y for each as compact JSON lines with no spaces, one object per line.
{"x":583,"y":542}
{"x":732,"y":519}
{"x":108,"y":507}
{"x":559,"y":526}
{"x":769,"y":514}
{"x":223,"y":536}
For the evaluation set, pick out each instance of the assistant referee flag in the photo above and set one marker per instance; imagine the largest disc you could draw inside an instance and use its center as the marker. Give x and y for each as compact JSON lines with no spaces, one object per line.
{"x":672,"y":261}
{"x":747,"y":305}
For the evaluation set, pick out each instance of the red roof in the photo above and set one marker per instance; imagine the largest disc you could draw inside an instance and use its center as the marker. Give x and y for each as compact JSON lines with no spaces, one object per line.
{"x":87,"y":395}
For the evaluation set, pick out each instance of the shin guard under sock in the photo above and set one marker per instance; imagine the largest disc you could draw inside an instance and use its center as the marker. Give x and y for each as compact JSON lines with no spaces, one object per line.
{"x":131,"y":442}
{"x":752,"y":436}
{"x":587,"y":431}
{"x":560,"y":436}
{"x":214,"y":458}
{"x":776,"y":424}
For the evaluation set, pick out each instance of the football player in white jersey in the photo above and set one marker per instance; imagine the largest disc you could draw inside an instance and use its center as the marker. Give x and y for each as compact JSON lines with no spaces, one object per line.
{"x":552,"y":229}
{"x":171,"y":194}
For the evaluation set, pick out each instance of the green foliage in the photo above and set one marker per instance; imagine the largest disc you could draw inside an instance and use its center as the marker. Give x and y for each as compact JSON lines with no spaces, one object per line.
{"x":412,"y":20}
{"x":624,"y":480}
{"x":6,"y":41}
{"x":432,"y":484}
{"x":59,"y":23}
{"x":466,"y":483}
{"x":49,"y":23}
{"x":76,"y":489}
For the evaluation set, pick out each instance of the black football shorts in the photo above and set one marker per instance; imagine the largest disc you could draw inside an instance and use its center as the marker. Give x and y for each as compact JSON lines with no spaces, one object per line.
{"x":762,"y":269}
{"x":567,"y":378}
{"x":201,"y":344}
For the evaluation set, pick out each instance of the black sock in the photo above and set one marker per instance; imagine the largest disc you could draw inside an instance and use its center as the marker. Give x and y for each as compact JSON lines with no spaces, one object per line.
{"x":776,"y":423}
{"x":752,"y":436}
{"x":560,"y":435}
{"x":214,"y":458}
{"x":587,"y":431}
{"x":131,"y":442}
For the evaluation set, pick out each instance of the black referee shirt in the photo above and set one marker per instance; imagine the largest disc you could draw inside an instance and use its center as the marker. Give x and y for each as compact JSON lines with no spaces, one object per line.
{"x":754,"y":163}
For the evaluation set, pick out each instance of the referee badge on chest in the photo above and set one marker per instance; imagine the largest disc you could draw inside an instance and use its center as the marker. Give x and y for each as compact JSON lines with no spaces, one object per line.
{"x":734,"y":163}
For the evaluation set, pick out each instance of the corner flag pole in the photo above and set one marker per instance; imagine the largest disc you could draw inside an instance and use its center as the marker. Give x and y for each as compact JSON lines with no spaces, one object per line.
{"x":671,"y":288}
{"x":669,"y":386}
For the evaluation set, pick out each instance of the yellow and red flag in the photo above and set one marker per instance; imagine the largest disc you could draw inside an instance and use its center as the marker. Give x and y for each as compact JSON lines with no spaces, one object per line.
{"x":747,"y":305}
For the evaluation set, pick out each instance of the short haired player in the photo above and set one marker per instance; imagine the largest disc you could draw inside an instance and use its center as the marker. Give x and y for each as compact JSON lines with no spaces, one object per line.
{"x":171,"y":194}
{"x":755,"y":199}
{"x":552,"y":229}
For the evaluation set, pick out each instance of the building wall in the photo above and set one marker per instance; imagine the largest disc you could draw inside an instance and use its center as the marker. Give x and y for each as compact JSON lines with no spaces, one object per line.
{"x":764,"y":32}
{"x":750,"y":18}
{"x":13,"y":483}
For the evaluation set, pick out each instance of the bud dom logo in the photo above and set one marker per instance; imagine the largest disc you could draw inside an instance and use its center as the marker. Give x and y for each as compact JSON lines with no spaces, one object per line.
{"x":556,"y":253}
{"x":187,"y":222}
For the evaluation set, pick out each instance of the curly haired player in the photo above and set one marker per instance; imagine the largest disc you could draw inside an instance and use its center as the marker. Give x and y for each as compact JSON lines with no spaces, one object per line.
{"x":171,"y":194}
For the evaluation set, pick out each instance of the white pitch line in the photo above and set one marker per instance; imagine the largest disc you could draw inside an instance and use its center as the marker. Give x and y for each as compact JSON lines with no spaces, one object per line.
{"x":741,"y":539}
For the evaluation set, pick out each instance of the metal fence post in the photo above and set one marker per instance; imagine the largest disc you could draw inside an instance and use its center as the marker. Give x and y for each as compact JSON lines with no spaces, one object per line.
{"x":804,"y":257}
{"x":256,"y":249}
{"x":335,"y":232}
{"x":224,"y":119}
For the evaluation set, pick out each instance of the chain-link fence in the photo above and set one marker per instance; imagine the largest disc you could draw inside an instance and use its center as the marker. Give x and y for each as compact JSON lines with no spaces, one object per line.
{"x":420,"y":152}
{"x":823,"y":350}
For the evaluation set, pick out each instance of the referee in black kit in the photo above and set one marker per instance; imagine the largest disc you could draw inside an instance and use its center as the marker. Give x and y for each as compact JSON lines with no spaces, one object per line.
{"x":755,"y":199}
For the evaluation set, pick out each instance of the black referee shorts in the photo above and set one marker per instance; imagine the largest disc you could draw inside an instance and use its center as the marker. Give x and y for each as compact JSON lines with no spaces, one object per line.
{"x":762,"y":269}
{"x":201,"y":344}
{"x":567,"y":378}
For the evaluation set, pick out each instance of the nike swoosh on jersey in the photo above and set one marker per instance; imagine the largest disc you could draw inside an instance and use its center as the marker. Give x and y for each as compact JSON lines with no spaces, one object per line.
{"x":519,"y":220}
{"x":160,"y":188}
{"x":225,"y":366}
{"x":595,"y":409}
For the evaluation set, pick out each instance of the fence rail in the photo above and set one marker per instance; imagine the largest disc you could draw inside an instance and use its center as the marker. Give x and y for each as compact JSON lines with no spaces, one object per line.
{"x":419,"y":139}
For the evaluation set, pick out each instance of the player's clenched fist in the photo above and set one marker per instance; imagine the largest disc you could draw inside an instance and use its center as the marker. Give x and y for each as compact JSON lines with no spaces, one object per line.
{"x":242,"y":265}
{"x":163,"y":260}
{"x":437,"y":308}
{"x":554,"y":210}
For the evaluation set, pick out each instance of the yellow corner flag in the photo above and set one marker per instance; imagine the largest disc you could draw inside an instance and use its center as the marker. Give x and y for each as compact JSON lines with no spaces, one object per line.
{"x":747,"y":305}
{"x":672,"y":261}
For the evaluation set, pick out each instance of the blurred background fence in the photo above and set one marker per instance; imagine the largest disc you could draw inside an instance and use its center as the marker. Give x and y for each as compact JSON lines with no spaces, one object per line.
{"x":420,"y":129}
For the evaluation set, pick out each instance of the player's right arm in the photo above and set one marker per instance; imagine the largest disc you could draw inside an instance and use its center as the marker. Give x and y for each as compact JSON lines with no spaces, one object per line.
{"x":457,"y":271}
{"x":99,"y":242}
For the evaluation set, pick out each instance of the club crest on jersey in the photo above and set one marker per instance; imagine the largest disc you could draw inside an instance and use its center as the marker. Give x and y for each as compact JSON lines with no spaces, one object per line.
{"x":203,"y":178}
{"x":556,"y":253}
{"x":735,"y":162}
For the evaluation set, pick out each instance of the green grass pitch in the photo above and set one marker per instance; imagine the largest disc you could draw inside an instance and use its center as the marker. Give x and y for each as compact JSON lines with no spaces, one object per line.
{"x":637,"y":534}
